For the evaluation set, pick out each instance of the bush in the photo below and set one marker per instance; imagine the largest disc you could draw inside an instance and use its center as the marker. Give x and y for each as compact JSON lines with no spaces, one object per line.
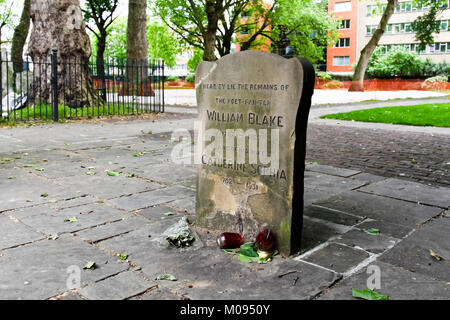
{"x":190,"y":78}
{"x":171,"y":78}
{"x":396,"y":63}
{"x":435,"y":83}
{"x":324,"y":75}
{"x":432,"y":69}
{"x":333,"y":84}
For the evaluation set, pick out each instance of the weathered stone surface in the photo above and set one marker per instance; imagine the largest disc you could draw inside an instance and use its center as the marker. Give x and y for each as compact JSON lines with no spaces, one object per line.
{"x":22,"y":234}
{"x":316,"y":232}
{"x":380,"y":208}
{"x":40,"y":270}
{"x":157,"y":294}
{"x":156,"y":213}
{"x":372,"y":243}
{"x":333,"y":216}
{"x":252,"y":94}
{"x":413,"y":253}
{"x":122,"y":286}
{"x":112,"y":229}
{"x":386,"y":228}
{"x":151,"y":198}
{"x":411,"y":191}
{"x":331,"y":184}
{"x":397,"y":283}
{"x":337,"y":257}
{"x":52,"y":221}
{"x":340,"y":172}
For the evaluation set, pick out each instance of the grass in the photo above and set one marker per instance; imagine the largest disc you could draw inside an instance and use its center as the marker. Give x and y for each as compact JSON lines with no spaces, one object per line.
{"x":44,"y":113}
{"x":437,"y":115}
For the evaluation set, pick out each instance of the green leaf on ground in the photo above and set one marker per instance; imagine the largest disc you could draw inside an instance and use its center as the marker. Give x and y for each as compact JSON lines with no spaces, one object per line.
{"x":166,"y":276}
{"x":45,"y":194}
{"x":11,"y":177}
{"x":28,"y":165}
{"x":169,"y":213}
{"x":113,"y":173}
{"x":230,"y":251}
{"x":413,"y":161}
{"x":372,"y":231}
{"x":122,"y":256}
{"x":90,"y":173}
{"x":7,"y":159}
{"x":131,"y":175}
{"x":368,"y":294}
{"x":149,"y":132}
{"x":90,"y":265}
{"x":39,"y":169}
{"x":73,"y":219}
{"x":248,"y":249}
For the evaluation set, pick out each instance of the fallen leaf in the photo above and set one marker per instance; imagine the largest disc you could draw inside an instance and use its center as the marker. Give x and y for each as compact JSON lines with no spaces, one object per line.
{"x":166,"y":276}
{"x":169,"y":213}
{"x":413,"y":161}
{"x":90,"y":173}
{"x":45,"y":194}
{"x":122,"y":256}
{"x":53,"y":237}
{"x":90,"y":265}
{"x":368,"y":294}
{"x":113,"y":173}
{"x":435,"y":255}
{"x":372,"y":231}
{"x":73,"y":219}
{"x":11,"y":177}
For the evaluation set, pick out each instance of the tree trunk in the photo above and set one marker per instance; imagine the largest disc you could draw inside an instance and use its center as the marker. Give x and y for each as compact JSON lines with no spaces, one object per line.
{"x":366,"y":52}
{"x":20,"y":37}
{"x":100,"y":61}
{"x":59,"y":24}
{"x":213,"y":12}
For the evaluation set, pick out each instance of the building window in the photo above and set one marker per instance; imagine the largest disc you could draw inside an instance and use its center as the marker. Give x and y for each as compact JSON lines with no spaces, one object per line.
{"x":341,"y":61}
{"x":370,"y":30}
{"x":345,"y":24}
{"x":343,"y":6}
{"x":342,"y":43}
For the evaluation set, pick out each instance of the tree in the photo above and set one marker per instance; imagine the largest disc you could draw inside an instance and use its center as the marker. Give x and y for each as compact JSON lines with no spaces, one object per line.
{"x":59,"y":24}
{"x":366,"y":52}
{"x":196,"y":22}
{"x":102,"y":13}
{"x":19,"y":37}
{"x":6,"y":18}
{"x":424,"y":26}
{"x":303,"y":24}
{"x":137,"y":49}
{"x":162,"y":43}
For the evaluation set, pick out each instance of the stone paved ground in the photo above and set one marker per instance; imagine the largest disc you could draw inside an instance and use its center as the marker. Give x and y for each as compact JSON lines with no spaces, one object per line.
{"x":44,"y":184}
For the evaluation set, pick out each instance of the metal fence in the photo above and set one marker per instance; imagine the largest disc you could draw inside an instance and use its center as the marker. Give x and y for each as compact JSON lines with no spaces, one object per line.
{"x":66,"y":88}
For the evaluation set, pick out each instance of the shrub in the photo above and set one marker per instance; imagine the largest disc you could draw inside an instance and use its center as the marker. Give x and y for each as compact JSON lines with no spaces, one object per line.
{"x":397,"y":63}
{"x":190,"y":78}
{"x":435,"y":83}
{"x":324,"y":75}
{"x":171,"y":78}
{"x":333,"y":84}
{"x":432,"y":69}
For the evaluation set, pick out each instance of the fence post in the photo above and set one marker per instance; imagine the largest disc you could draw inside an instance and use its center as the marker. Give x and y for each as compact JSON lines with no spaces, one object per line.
{"x":55,"y":84}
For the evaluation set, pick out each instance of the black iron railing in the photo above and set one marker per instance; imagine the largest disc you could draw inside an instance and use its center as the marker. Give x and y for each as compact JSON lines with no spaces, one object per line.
{"x":63,"y":88}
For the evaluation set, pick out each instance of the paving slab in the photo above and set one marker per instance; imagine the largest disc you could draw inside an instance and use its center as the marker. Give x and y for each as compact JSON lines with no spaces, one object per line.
{"x":53,"y":221}
{"x":316,"y":232}
{"x":337,"y":257}
{"x":122,"y":286}
{"x":112,"y":229}
{"x":22,"y":234}
{"x":411,"y":191}
{"x":413,"y":253}
{"x":151,"y":198}
{"x":40,"y":270}
{"x":334,"y":216}
{"x":168,"y":172}
{"x":372,"y":243}
{"x":185,"y":205}
{"x":103,"y":186}
{"x":157,"y":294}
{"x":311,"y":196}
{"x":386,"y":228}
{"x":340,"y":172}
{"x":329,"y":183}
{"x":397,"y":283}
{"x":380,"y":208}
{"x":155,"y":213}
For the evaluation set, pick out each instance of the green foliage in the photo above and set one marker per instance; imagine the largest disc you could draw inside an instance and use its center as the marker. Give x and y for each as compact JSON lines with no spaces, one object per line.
{"x":171,"y":78}
{"x":396,"y":63}
{"x":307,"y":26}
{"x":162,"y":43}
{"x":431,"y":68}
{"x":324,"y":75}
{"x":193,"y":62}
{"x":190,"y":78}
{"x":437,"y":79}
{"x":427,"y":24}
{"x":7,"y":17}
{"x":368,"y":294}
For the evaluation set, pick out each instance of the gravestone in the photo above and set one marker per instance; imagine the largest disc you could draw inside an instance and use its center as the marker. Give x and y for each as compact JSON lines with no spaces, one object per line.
{"x":253,"y":112}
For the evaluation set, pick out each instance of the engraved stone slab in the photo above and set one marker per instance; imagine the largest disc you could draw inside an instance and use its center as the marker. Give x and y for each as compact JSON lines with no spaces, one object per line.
{"x":253,"y":113}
